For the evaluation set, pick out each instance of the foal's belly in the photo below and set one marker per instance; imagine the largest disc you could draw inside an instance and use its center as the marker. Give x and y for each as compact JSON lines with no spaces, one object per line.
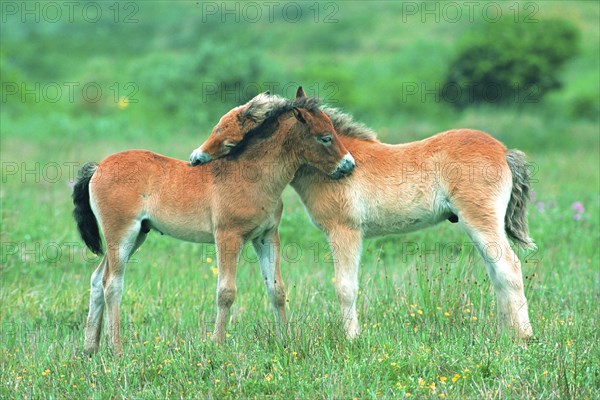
{"x":190,"y":232}
{"x":378,"y":226}
{"x":198,"y":227}
{"x":401,"y":208}
{"x":192,"y":224}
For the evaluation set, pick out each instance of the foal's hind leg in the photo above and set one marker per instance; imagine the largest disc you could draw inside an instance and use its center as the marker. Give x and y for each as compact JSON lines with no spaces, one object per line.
{"x":503,"y":267}
{"x":93,"y":327}
{"x":118,"y":253}
{"x":346,"y":245}
{"x":267,"y":250}
{"x":229,"y":247}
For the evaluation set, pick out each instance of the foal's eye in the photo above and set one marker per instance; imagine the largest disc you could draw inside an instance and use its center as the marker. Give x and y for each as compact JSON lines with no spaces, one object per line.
{"x":230,"y":145}
{"x":325,"y":139}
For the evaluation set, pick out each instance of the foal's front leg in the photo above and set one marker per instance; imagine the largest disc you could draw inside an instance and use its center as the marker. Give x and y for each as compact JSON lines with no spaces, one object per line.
{"x":346,"y":246}
{"x":267,"y":250}
{"x":229,"y":246}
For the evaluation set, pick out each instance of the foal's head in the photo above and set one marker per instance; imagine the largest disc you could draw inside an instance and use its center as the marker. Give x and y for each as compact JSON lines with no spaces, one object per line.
{"x":313,"y":134}
{"x":233,"y":127}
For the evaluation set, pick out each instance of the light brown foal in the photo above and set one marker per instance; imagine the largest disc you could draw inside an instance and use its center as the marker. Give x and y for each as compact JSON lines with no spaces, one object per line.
{"x":132,"y":192}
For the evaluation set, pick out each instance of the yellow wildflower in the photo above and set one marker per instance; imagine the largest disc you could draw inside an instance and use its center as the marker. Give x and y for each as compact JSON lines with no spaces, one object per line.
{"x":123,"y":103}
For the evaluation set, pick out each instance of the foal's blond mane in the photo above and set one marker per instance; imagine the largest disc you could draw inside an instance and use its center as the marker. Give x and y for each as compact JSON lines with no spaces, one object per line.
{"x":265,"y":106}
{"x":345,"y":125}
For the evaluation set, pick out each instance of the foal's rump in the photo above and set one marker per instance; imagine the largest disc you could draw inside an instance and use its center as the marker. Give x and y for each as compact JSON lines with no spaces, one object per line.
{"x":141,"y":190}
{"x":486,"y":181}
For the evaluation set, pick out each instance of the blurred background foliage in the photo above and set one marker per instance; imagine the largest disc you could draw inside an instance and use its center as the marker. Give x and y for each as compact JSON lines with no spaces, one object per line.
{"x":498,"y":63}
{"x":171,"y":69}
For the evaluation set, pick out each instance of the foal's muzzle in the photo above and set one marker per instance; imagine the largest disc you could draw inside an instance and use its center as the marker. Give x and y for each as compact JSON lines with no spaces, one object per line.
{"x":344,"y":168}
{"x":199,"y":157}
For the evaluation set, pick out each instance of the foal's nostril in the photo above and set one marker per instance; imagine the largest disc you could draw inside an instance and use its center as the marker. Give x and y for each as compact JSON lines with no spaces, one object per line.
{"x":348,"y":163}
{"x":199,"y":158}
{"x":345,"y":167}
{"x":349,"y":167}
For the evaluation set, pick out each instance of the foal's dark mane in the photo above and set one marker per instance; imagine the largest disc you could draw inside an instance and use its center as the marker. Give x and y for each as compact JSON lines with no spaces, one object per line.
{"x":265,"y":106}
{"x":265,"y":110}
{"x":261,"y":132}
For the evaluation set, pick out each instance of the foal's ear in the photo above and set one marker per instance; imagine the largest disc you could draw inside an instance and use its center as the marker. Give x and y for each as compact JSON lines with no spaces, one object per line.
{"x":298,"y":115}
{"x":300,"y":93}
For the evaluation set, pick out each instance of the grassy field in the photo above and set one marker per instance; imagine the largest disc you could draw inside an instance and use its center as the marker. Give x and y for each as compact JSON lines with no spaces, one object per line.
{"x":426,"y":306}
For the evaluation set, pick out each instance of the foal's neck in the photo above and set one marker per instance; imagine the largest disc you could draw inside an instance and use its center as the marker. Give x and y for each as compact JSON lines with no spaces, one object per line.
{"x":273,"y":161}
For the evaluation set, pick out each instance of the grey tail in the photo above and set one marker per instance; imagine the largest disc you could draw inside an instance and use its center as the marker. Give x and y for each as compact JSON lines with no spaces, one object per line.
{"x":515,"y":221}
{"x":83,"y":214}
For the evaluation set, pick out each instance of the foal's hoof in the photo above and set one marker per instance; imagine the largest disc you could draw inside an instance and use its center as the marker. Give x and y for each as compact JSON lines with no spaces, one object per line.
{"x":90,"y":350}
{"x":218,"y":339}
{"x":353,"y":333}
{"x":89,"y":353}
{"x":117,"y":350}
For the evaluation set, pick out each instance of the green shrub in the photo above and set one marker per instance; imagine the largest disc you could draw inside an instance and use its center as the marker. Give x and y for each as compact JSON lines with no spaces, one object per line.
{"x":508,"y":62}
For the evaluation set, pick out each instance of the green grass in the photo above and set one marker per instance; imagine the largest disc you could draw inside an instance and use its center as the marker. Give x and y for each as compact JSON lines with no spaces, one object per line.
{"x":428,"y":317}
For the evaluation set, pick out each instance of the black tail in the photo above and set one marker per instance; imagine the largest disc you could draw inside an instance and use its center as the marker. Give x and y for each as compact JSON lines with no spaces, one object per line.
{"x":83,"y":214}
